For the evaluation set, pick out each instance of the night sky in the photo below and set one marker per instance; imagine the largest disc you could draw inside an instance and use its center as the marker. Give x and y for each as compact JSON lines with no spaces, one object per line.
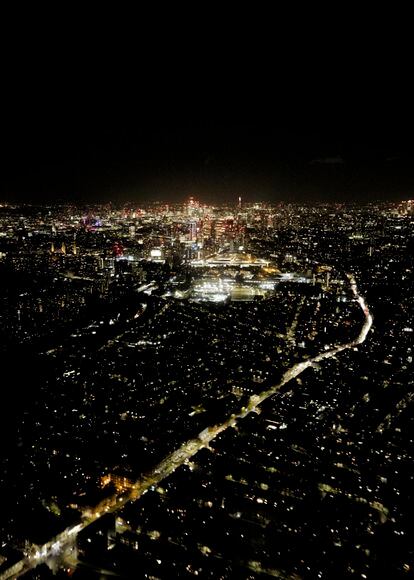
{"x":281,"y":129}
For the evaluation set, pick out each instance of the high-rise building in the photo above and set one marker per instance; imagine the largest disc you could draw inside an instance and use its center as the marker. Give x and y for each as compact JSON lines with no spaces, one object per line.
{"x":192,"y":231}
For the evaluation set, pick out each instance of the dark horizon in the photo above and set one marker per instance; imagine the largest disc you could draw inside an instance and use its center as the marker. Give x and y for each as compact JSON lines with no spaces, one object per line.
{"x":271,"y":162}
{"x":318,"y":136}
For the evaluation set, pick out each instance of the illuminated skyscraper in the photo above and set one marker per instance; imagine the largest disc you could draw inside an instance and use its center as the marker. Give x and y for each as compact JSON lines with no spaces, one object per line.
{"x":192,"y":231}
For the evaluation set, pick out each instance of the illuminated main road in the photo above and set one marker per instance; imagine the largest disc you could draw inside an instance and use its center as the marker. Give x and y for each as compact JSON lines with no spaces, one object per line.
{"x":61,"y":546}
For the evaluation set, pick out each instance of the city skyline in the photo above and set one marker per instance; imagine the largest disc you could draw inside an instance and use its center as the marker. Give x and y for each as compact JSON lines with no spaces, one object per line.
{"x":206,"y":296}
{"x":221,"y":390}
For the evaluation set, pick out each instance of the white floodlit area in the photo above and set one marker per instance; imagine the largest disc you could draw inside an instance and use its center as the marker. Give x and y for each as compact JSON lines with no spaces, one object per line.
{"x":227,"y":259}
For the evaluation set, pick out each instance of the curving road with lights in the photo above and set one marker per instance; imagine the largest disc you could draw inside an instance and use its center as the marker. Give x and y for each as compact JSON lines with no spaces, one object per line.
{"x":59,"y":548}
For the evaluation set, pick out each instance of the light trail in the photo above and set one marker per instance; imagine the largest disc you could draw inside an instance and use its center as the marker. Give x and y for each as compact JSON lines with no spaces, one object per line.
{"x":55,"y":548}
